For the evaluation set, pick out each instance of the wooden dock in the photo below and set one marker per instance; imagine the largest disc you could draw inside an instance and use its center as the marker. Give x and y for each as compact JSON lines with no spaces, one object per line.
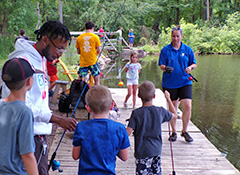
{"x":197,"y":158}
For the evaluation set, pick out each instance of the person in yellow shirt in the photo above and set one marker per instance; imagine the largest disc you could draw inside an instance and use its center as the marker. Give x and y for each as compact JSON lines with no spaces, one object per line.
{"x":89,"y":46}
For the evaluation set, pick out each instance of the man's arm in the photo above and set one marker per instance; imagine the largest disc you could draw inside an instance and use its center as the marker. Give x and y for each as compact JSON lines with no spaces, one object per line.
{"x":78,"y":51}
{"x":98,"y":50}
{"x":30,"y":163}
{"x":66,"y":123}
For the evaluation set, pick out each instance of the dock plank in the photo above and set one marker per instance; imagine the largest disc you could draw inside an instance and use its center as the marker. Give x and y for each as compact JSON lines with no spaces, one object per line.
{"x":197,"y":158}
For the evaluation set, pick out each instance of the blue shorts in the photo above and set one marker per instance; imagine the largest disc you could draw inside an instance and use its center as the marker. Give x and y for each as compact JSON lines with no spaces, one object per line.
{"x":149,"y":165}
{"x":130,"y":40}
{"x":184,"y":92}
{"x":94,"y":69}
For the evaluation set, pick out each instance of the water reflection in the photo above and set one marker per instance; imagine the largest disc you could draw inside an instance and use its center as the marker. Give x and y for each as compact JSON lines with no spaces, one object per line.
{"x":216,"y":99}
{"x":215,"y":103}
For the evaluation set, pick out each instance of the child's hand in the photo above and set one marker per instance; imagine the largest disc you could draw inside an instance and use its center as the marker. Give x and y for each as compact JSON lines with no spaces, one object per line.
{"x":167,"y":95}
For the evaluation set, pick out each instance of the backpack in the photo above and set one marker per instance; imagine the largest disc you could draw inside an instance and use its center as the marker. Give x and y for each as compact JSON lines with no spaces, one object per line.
{"x":64,"y":103}
{"x":70,"y":100}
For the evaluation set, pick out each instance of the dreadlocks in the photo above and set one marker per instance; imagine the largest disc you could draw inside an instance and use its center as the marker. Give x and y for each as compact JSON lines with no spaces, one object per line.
{"x":53,"y":29}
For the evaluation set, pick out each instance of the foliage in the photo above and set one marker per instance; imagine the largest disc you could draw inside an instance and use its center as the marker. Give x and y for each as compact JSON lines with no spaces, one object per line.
{"x":143,"y":41}
{"x":71,"y":59}
{"x":13,"y":17}
{"x":208,"y":40}
{"x":149,"y":19}
{"x":150,"y":49}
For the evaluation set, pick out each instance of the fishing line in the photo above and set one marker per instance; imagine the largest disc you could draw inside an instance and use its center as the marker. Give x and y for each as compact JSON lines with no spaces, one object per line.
{"x":170,"y":140}
{"x":79,"y":99}
{"x":171,"y":150}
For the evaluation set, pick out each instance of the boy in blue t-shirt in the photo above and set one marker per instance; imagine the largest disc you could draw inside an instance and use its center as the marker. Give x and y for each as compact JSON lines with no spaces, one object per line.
{"x":146,"y":122}
{"x":16,"y":121}
{"x":131,"y":36}
{"x":97,"y":142}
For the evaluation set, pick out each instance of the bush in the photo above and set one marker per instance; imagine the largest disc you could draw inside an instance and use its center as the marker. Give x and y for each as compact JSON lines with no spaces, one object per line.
{"x":143,"y":41}
{"x":6,"y":46}
{"x":208,"y":39}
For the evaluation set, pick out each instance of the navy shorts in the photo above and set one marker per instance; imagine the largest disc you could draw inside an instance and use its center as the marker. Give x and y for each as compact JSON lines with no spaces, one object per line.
{"x":94,"y":69}
{"x":184,"y":92}
{"x":130,"y":40}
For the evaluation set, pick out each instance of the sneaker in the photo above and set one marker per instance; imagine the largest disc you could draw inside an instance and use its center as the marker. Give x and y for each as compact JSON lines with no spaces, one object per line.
{"x":173,"y":137}
{"x":125,"y":105}
{"x":187,"y":137}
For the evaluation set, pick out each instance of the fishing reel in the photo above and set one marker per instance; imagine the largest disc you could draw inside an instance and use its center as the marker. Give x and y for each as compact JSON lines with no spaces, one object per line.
{"x":192,"y":78}
{"x":55,"y":166}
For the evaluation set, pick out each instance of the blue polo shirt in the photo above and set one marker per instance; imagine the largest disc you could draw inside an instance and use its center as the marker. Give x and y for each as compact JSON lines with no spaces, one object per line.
{"x":178,"y":59}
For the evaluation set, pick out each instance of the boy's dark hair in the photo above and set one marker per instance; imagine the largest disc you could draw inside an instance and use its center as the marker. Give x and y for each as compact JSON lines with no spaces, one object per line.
{"x":17,"y":85}
{"x":89,"y":25}
{"x":22,"y":32}
{"x":53,"y":29}
{"x":146,"y":91}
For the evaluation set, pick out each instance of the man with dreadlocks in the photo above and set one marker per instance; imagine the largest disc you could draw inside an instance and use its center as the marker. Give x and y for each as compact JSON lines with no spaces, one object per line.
{"x":52,"y":39}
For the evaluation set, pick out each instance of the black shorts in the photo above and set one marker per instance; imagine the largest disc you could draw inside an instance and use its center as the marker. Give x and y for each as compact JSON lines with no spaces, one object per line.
{"x":184,"y":92}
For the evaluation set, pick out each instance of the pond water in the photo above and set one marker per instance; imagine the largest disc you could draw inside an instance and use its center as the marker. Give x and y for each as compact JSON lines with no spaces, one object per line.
{"x":216,"y":98}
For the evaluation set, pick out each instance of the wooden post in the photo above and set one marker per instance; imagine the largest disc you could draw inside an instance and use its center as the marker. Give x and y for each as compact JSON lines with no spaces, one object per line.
{"x":111,"y":43}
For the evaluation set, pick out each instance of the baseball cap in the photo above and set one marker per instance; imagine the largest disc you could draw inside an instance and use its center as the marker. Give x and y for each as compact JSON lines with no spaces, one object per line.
{"x":17,"y":69}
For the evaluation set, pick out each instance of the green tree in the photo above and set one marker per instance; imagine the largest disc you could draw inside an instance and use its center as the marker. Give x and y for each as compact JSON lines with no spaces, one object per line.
{"x":15,"y":15}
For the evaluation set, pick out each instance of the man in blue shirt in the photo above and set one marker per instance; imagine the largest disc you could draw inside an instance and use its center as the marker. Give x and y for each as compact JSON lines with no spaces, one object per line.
{"x":176,"y":61}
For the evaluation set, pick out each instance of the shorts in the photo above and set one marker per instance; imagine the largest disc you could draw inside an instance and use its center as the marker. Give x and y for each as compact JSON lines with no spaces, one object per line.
{"x":149,"y":165}
{"x":184,"y":92}
{"x":132,"y":82}
{"x":94,"y":69}
{"x":130,"y":40}
{"x":53,"y":78}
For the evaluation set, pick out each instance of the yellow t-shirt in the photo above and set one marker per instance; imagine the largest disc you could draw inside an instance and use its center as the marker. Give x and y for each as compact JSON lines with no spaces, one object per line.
{"x":88,"y":43}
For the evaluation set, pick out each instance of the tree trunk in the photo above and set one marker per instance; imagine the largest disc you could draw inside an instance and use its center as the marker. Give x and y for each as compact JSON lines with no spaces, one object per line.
{"x":4,"y":25}
{"x":39,"y":15}
{"x":60,"y":11}
{"x":207,"y":4}
{"x":178,"y":14}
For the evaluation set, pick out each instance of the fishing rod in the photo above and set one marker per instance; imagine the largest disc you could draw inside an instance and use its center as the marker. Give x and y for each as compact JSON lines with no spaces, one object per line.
{"x":171,"y":150}
{"x":170,"y":143}
{"x":55,"y":164}
{"x":192,"y":78}
{"x":169,"y":69}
